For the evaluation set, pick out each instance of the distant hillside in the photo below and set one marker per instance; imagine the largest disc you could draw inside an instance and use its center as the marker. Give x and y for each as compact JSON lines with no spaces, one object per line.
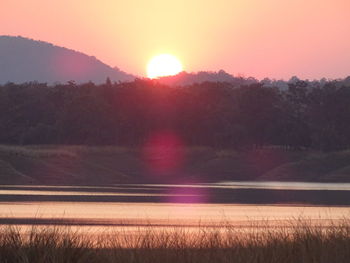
{"x":24,"y":60}
{"x":185,"y":78}
{"x":107,"y":165}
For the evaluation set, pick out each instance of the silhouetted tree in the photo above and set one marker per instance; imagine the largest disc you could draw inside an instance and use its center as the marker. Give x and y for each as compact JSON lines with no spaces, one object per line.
{"x":306,"y":115}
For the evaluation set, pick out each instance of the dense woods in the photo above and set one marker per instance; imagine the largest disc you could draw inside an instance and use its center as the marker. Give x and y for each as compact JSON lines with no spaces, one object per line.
{"x":218,"y":114}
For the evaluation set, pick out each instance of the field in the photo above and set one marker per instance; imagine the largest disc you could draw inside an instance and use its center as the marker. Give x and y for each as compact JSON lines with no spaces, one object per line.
{"x":295,"y":241}
{"x":82,"y":164}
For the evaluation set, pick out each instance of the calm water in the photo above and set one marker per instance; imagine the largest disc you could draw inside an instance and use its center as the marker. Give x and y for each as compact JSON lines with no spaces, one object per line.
{"x":271,"y":185}
{"x":173,"y":205}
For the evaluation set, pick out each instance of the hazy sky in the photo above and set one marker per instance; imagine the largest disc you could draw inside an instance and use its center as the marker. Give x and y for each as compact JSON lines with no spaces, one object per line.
{"x":274,"y":38}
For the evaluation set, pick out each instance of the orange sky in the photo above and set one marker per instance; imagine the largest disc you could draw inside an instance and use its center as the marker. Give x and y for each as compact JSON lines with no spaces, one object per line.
{"x":260,"y":38}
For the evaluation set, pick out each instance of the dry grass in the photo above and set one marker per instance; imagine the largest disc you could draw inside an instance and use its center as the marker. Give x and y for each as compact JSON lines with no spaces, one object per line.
{"x":300,"y":241}
{"x":18,"y":163}
{"x":37,"y":152}
{"x":72,"y":151}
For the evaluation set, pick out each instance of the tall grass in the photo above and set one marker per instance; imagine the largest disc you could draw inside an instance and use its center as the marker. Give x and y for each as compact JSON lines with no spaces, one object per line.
{"x":299,"y":241}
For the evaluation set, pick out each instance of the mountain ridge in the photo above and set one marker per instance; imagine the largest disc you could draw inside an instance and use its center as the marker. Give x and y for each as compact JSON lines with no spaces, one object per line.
{"x":24,"y":60}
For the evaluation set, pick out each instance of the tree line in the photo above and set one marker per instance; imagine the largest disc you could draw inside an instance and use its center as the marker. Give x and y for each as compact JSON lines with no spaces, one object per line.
{"x":206,"y":114}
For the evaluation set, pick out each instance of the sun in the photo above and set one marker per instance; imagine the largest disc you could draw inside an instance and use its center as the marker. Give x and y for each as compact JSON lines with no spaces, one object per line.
{"x":163,"y":65}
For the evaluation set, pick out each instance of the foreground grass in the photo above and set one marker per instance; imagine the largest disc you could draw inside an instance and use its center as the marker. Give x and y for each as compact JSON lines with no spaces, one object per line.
{"x":299,"y":241}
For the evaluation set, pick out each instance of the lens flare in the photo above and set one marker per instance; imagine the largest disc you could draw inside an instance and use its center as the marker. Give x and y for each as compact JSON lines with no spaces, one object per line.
{"x":163,"y":154}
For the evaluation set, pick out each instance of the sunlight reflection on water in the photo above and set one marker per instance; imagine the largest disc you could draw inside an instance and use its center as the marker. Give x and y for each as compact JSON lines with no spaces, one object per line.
{"x":192,"y":213}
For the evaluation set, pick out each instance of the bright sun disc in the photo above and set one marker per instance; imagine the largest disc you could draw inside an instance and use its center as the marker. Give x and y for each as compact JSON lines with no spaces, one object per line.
{"x":163,"y":65}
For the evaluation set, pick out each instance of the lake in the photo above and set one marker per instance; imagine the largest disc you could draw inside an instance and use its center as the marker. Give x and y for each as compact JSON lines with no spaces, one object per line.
{"x":163,"y":205}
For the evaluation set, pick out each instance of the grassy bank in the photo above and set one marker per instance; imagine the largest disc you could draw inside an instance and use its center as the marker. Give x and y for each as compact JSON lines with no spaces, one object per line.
{"x":107,"y":165}
{"x":298,"y":241}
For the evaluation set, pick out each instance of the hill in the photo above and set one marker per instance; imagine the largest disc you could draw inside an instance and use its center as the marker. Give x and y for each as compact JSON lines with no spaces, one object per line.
{"x":185,"y":78}
{"x":25,"y":60}
{"x":109,"y":165}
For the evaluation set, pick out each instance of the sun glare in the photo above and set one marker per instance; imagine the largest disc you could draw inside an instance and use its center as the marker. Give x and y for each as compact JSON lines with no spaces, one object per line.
{"x":163,"y":65}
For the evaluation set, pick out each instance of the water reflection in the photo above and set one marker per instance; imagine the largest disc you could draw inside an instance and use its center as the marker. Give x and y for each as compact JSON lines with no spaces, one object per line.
{"x":285,"y":185}
{"x":215,"y":193}
{"x":172,"y":205}
{"x":143,"y":214}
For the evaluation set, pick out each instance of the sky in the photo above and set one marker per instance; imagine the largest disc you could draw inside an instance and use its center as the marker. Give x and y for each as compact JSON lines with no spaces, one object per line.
{"x":259,"y":38}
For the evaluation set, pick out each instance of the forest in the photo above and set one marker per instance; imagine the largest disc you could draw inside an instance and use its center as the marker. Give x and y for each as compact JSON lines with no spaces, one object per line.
{"x":215,"y":114}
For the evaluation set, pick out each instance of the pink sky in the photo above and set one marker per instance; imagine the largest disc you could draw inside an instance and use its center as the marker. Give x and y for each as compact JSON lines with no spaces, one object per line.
{"x":260,"y":38}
